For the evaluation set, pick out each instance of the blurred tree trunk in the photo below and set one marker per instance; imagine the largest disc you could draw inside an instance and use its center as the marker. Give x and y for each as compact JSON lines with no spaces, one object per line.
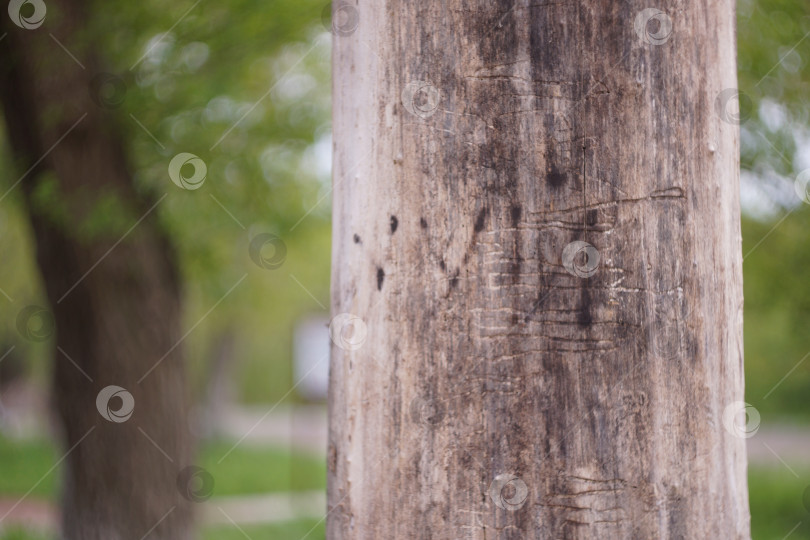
{"x":111,"y":282}
{"x":537,"y":238}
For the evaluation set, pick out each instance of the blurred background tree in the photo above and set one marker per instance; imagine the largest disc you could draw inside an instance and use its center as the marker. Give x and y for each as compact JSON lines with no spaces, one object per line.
{"x":245,"y":86}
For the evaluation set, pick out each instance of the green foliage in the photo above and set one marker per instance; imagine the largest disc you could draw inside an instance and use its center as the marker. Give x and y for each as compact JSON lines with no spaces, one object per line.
{"x":777,"y":309}
{"x":244,"y":86}
{"x":19,"y":284}
{"x":109,"y":217}
{"x":773,"y":69}
{"x":47,"y":199}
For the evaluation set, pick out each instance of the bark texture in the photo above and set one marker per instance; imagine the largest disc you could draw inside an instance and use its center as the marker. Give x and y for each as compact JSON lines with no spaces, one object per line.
{"x":114,"y":293}
{"x":496,"y":380}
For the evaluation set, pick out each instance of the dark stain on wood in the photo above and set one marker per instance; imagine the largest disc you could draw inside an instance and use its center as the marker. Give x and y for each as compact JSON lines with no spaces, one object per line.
{"x":514,"y":213}
{"x":555,"y":178}
{"x":480,"y":220}
{"x":454,"y":279}
{"x":380,"y":278}
{"x":584,"y":316}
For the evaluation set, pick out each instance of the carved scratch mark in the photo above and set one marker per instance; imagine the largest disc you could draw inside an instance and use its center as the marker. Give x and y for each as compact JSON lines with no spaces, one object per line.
{"x":668,"y":193}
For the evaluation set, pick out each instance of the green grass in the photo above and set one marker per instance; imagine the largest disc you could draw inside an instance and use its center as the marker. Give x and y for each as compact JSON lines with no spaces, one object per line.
{"x":778,"y":503}
{"x":293,"y":530}
{"x":246,"y":470}
{"x":23,"y":464}
{"x":22,"y":534}
{"x":251,"y":469}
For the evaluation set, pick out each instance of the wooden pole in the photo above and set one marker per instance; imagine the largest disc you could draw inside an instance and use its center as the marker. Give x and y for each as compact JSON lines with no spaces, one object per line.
{"x":537,"y":283}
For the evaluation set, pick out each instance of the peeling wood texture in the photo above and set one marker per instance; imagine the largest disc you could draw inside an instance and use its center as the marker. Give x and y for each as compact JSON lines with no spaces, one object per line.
{"x":546,"y":305}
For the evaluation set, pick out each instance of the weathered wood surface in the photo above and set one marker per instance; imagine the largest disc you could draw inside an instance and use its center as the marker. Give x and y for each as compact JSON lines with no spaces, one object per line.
{"x":495,"y":380}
